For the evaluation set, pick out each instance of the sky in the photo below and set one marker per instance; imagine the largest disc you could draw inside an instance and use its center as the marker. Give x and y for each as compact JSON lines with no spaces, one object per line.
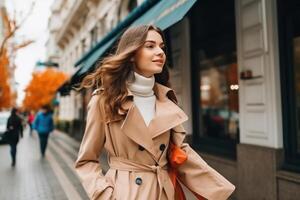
{"x":35,"y":28}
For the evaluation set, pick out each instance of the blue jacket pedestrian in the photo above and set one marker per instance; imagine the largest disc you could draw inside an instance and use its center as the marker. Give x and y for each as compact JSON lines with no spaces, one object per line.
{"x":43,"y":123}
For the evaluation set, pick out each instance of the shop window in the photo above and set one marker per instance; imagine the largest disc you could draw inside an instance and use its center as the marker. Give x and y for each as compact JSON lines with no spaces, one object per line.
{"x":215,"y":78}
{"x":289,"y":49}
{"x":219,"y":97}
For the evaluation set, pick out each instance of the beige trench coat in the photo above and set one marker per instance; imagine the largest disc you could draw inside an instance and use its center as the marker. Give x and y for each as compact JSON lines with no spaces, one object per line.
{"x":138,"y":155}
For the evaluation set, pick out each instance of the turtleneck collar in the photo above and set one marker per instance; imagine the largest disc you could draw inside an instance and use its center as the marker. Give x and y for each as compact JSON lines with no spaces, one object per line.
{"x":141,"y":86}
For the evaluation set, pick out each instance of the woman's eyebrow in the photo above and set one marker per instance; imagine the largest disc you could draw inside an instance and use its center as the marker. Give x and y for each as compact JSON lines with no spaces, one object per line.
{"x":152,"y":41}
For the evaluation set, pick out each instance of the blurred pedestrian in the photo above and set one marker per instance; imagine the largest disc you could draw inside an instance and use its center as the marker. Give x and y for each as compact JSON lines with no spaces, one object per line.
{"x":43,"y":124}
{"x":30,"y":121}
{"x":14,"y":131}
{"x":134,"y":114}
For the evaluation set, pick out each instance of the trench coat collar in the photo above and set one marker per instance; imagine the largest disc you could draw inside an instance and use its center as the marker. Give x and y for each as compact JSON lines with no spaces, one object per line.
{"x":167,"y":116}
{"x":161,"y":92}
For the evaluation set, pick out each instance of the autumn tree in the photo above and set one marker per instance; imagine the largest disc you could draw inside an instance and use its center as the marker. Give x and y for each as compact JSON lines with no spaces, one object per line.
{"x":11,"y":26}
{"x":5,"y":91}
{"x":42,"y":88}
{"x":8,"y":49}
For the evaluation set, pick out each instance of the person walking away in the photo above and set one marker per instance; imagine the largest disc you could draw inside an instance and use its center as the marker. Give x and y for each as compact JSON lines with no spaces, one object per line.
{"x":15,"y":130}
{"x":30,"y":121}
{"x":43,"y":124}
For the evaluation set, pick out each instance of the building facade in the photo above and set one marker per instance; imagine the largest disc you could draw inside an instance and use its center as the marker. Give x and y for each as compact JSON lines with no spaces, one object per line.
{"x":235,"y":68}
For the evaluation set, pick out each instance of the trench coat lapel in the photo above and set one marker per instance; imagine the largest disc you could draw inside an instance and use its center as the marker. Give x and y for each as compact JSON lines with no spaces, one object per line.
{"x":135,"y":128}
{"x":167,"y":116}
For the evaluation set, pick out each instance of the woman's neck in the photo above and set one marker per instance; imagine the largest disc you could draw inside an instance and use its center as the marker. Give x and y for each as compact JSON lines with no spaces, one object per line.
{"x":141,"y":86}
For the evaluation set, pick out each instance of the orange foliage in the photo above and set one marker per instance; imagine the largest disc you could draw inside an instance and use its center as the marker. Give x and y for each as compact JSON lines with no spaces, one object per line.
{"x":42,"y":88}
{"x":6,"y":100}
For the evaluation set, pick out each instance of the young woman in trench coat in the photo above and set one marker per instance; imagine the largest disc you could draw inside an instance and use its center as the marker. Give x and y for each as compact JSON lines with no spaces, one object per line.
{"x":133,"y":115}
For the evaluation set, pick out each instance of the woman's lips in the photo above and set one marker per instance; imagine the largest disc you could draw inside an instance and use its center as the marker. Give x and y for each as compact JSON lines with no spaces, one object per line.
{"x":160,"y":62}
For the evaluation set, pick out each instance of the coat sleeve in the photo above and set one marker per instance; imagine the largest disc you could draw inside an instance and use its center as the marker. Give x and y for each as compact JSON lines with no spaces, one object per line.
{"x":51,"y":126}
{"x":87,"y":165}
{"x":197,"y":175}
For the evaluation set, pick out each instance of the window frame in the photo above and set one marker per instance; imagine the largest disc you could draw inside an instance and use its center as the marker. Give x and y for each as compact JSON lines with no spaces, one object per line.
{"x":214,"y":146}
{"x":289,"y":119}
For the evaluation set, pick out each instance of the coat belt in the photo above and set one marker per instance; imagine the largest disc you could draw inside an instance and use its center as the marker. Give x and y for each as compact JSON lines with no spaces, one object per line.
{"x":161,"y":172}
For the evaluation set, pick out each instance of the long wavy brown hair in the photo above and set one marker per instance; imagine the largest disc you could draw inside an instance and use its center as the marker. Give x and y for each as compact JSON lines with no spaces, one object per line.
{"x":114,"y":70}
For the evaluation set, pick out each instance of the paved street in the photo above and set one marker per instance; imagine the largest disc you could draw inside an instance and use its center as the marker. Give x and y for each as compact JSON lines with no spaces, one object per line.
{"x":51,"y":178}
{"x":31,"y":178}
{"x":34,"y":178}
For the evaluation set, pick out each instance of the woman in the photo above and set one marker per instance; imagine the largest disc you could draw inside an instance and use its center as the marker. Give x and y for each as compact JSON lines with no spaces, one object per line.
{"x":14,"y":131}
{"x":133,"y":114}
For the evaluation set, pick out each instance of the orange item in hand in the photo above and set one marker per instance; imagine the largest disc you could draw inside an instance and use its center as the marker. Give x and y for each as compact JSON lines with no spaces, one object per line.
{"x":176,"y":158}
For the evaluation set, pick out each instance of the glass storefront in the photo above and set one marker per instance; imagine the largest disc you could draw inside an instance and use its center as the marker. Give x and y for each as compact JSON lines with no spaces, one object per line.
{"x":289,"y":49}
{"x":296,"y":64}
{"x":215,"y":77}
{"x":219,"y":97}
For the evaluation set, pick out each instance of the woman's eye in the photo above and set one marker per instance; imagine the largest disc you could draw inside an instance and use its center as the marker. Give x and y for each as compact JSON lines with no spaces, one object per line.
{"x":149,"y":46}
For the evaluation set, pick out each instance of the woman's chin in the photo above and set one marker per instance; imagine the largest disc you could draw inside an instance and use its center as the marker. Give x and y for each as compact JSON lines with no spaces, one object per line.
{"x":151,"y":73}
{"x":157,"y":70}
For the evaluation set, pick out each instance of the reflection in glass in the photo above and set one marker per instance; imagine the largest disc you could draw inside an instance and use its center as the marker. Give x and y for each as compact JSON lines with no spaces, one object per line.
{"x":219,"y":97}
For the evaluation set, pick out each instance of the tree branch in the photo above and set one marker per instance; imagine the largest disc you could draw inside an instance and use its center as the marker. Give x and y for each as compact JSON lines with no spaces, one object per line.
{"x":13,"y":27}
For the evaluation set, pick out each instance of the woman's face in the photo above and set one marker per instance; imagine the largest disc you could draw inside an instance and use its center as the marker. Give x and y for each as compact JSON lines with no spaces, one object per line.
{"x":150,"y":58}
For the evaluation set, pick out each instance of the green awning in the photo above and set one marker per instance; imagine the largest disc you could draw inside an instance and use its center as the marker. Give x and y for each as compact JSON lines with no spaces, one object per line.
{"x":166,"y":13}
{"x":163,"y":14}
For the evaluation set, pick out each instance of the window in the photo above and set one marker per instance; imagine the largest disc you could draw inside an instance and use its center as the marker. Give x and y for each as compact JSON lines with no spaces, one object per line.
{"x":94,"y":36}
{"x":215,"y":77}
{"x":289,"y":49}
{"x":77,"y":53}
{"x":219,"y":97}
{"x":83,"y":46}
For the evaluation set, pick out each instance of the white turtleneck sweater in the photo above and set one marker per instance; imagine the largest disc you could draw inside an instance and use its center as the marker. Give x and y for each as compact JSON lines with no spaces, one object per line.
{"x":143,"y":96}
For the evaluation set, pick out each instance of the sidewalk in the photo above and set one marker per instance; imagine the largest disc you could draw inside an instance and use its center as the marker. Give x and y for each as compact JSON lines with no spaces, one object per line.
{"x":32,"y":178}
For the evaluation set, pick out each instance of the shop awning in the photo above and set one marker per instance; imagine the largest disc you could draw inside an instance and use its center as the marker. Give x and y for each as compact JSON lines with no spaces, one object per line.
{"x":163,"y":14}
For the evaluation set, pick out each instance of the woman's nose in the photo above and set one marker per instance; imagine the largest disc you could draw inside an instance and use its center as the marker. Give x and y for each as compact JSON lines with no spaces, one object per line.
{"x":159,"y":51}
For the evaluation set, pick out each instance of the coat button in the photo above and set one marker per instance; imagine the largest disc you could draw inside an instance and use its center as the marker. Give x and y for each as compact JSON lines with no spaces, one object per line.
{"x":141,"y":148}
{"x":138,"y":181}
{"x":162,"y":147}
